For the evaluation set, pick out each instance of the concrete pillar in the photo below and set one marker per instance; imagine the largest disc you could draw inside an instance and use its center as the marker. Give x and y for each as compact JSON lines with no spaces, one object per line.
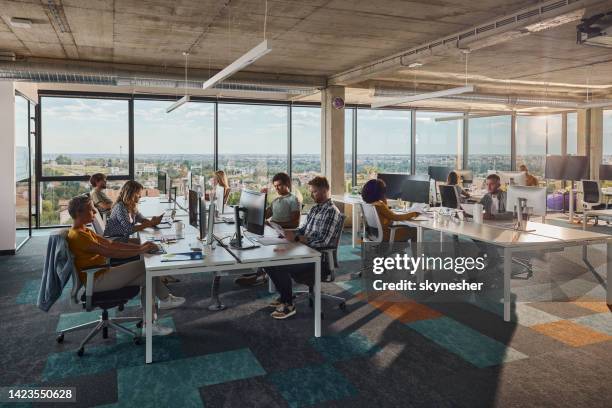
{"x":332,"y":139}
{"x":590,"y":138}
{"x":7,"y":167}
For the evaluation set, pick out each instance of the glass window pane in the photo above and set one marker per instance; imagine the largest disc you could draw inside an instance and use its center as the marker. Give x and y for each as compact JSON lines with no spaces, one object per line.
{"x":22,"y":152}
{"x":383,"y":142}
{"x":348,"y":149}
{"x":572,"y":133}
{"x":532,"y":133}
{"x":489,"y":144}
{"x":607,"y":137}
{"x":176,"y":143}
{"x":305,"y":148}
{"x":252,"y":145}
{"x":437,"y":143}
{"x":84,"y":136}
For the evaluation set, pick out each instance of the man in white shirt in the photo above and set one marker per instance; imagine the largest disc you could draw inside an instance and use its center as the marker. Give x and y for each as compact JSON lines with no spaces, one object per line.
{"x":494,"y":202}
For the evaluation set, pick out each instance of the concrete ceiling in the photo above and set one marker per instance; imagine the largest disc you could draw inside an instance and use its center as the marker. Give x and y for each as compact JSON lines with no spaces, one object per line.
{"x":311,"y":40}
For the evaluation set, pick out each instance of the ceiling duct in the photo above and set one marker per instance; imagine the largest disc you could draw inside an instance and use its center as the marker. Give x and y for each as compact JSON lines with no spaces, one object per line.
{"x":596,"y":30}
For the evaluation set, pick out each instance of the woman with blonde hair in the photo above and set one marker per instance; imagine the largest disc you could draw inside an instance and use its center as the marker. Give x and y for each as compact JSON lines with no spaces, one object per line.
{"x":125,"y":219}
{"x":220,"y":179}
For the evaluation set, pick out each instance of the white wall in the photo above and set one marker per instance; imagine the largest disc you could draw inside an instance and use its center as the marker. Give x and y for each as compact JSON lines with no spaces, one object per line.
{"x":7,"y":166}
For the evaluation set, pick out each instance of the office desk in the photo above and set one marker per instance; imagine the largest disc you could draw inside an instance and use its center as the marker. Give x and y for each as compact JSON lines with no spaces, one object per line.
{"x":594,"y":213}
{"x":354,"y":200}
{"x":222,"y":259}
{"x":152,"y":207}
{"x":537,"y":237}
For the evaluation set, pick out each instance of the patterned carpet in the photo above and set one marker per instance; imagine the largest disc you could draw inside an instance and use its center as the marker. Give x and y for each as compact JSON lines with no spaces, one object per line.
{"x":376,"y":353}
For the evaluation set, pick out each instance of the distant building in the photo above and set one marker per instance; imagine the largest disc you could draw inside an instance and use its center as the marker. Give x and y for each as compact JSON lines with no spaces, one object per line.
{"x":142,"y":169}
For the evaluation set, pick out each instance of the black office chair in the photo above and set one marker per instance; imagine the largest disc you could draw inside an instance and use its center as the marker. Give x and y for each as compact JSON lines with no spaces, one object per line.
{"x":103,"y":300}
{"x":329,"y":264}
{"x":591,"y":199}
{"x":449,"y":196}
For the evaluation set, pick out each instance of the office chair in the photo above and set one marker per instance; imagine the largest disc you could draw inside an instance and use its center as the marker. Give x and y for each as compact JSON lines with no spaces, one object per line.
{"x":449,"y":196}
{"x":99,"y":224}
{"x":104,"y":300}
{"x":329,"y":263}
{"x":591,"y":199}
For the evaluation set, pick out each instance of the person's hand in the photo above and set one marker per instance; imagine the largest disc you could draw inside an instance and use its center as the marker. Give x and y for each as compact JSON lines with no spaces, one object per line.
{"x":155,"y":220}
{"x":289,"y":235}
{"x":149,"y":247}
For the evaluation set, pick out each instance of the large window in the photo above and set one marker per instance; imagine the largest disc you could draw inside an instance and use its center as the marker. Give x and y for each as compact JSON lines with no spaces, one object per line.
{"x":177,"y":143}
{"x":438,"y":143}
{"x":607,"y":137}
{"x":84,"y":136}
{"x":572,"y":133}
{"x":383,"y":142}
{"x":489,"y":144}
{"x":348,"y":149}
{"x":252,"y":145}
{"x":535,"y":137}
{"x":305,"y":148}
{"x":22,"y":169}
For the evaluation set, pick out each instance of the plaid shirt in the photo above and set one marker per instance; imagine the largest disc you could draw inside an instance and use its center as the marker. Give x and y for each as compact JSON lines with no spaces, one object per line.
{"x":321,"y":224}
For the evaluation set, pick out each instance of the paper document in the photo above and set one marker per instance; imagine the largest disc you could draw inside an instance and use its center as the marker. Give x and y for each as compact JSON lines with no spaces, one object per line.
{"x":421,"y":217}
{"x":418,"y":207}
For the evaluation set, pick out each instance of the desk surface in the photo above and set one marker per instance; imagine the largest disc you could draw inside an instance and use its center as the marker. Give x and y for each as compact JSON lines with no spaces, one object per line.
{"x":151,"y":207}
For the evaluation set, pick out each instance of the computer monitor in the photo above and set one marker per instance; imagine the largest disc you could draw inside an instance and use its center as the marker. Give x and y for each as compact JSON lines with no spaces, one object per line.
{"x":193,"y":208}
{"x":255,"y":204}
{"x":220,"y":199}
{"x":162,"y":182}
{"x":555,"y":167}
{"x":576,"y":168}
{"x":536,"y":198}
{"x":516,"y":178}
{"x":465,"y":176}
{"x":439,"y":173}
{"x":394,"y":182}
{"x":605,"y":172}
{"x":415,"y":191}
{"x":203,"y":224}
{"x":448,"y":194}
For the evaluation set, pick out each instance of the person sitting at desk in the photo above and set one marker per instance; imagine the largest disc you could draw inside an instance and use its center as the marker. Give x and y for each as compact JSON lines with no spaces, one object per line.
{"x":125,"y":219}
{"x":220,"y":179}
{"x":530,"y":179}
{"x":284,"y":210}
{"x":99,"y":198}
{"x":90,"y":249}
{"x":373,"y":192}
{"x":494,"y":202}
{"x":453,"y":180}
{"x":317,"y":232}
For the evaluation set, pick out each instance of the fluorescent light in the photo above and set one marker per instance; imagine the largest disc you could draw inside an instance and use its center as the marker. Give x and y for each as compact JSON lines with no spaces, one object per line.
{"x":420,"y":97}
{"x":247,"y":59}
{"x":415,"y":65}
{"x":21,"y":22}
{"x":178,"y":103}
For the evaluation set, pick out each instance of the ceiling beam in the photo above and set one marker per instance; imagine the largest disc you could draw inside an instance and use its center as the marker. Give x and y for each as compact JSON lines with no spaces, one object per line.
{"x":545,"y":15}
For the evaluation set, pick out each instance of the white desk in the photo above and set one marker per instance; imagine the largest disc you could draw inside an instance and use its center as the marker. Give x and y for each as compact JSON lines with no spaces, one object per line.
{"x":354,"y":200}
{"x":537,"y":237}
{"x":594,"y":213}
{"x":219,"y":260}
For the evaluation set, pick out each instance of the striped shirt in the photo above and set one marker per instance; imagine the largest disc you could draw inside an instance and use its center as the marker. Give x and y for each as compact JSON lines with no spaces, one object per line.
{"x":121,"y":223}
{"x":321,"y":225}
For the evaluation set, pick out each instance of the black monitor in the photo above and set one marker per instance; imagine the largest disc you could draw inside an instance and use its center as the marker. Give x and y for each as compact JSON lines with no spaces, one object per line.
{"x":448,"y":194}
{"x":415,"y":191}
{"x":576,"y":168}
{"x":194,"y":209}
{"x":203,"y":225}
{"x":439,"y":173}
{"x":605,"y":171}
{"x":394,"y":182}
{"x":254,"y":203}
{"x":555,"y":167}
{"x":162,"y":182}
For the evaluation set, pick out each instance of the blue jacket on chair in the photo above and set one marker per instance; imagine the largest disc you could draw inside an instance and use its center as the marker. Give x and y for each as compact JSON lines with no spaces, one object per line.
{"x":59,"y":267}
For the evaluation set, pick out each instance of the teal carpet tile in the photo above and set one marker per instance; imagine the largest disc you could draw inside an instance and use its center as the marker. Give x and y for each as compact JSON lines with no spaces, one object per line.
{"x":344,"y":347}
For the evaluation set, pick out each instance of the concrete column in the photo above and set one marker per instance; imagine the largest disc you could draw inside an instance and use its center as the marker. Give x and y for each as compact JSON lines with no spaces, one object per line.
{"x":590,"y":138}
{"x":332,"y":139}
{"x":7,"y":167}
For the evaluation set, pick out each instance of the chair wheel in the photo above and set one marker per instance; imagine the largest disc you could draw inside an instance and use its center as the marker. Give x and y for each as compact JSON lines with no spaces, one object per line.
{"x":60,"y":338}
{"x":138,"y":340}
{"x":80,"y":352}
{"x":342,"y":306}
{"x":105,"y":332}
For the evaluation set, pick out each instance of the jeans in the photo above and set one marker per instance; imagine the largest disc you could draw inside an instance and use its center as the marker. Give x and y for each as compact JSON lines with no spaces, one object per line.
{"x":281,"y":277}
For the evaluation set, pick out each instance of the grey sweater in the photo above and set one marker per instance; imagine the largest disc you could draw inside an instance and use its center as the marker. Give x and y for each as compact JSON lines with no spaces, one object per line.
{"x":502,"y":213}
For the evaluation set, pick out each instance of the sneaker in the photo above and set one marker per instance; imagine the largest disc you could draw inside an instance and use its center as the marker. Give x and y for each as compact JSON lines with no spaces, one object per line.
{"x":275,"y":303}
{"x":171,"y":302}
{"x":283,"y":311}
{"x":158,"y":330}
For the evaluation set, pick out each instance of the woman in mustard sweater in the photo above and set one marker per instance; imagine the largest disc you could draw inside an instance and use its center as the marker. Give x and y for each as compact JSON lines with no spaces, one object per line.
{"x":373,"y":192}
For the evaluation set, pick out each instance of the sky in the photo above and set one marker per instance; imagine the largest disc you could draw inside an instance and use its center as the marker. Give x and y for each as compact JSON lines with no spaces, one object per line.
{"x":72,"y":125}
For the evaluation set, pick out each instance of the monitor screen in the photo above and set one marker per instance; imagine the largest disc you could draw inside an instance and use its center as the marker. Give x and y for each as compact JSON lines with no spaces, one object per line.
{"x":439,"y":173}
{"x":202,"y":210}
{"x":162,"y":182}
{"x":255,"y":204}
{"x":415,"y":191}
{"x":605,"y":172}
{"x":555,"y":167}
{"x":394,"y":182}
{"x":576,"y":168}
{"x":193,"y":208}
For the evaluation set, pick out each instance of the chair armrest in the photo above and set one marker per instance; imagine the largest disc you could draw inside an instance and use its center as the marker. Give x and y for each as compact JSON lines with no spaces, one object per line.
{"x":91,"y":271}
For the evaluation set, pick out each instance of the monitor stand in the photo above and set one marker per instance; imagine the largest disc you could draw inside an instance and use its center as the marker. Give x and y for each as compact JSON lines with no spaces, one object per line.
{"x":237,"y":241}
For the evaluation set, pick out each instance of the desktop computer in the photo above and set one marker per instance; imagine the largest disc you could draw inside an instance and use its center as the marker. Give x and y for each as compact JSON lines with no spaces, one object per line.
{"x":250,"y":214}
{"x":416,"y":191}
{"x":394,"y":182}
{"x":193,"y":206}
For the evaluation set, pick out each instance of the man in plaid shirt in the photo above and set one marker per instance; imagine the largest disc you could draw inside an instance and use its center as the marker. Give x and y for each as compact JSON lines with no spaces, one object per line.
{"x":317,"y":232}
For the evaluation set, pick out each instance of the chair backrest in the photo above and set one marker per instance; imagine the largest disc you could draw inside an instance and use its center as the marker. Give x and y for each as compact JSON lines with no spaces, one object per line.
{"x":99,"y":224}
{"x":449,"y":196}
{"x":372,"y":227}
{"x":338,"y":232}
{"x":590,"y":188}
